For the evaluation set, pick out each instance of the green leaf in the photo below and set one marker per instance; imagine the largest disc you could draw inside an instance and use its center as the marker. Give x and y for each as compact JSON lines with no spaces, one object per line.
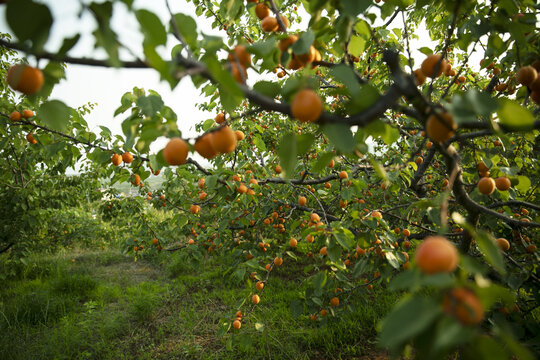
{"x":304,"y":142}
{"x":301,"y":46}
{"x":150,"y":104}
{"x":379,"y":129}
{"x":524,"y":184}
{"x":319,"y":280}
{"x":287,"y":154}
{"x":450,"y":333}
{"x":416,"y":312}
{"x":426,"y":50}
{"x":263,"y":48}
{"x":55,"y":114}
{"x":363,"y":29}
{"x":345,"y":239}
{"x":104,"y":35}
{"x":346,"y":75}
{"x":323,"y":161}
{"x":230,"y":94}
{"x":490,"y":250}
{"x":355,"y":7}
{"x":357,"y":45}
{"x":392,"y":259}
{"x":187,"y":28}
{"x":511,"y":113}
{"x":29,"y":21}
{"x":68,"y":44}
{"x":268,"y":88}
{"x":340,"y":136}
{"x":152,"y":28}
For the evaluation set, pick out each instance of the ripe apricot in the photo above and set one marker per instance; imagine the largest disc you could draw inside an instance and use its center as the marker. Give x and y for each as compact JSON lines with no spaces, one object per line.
{"x":486,"y":185}
{"x":343,"y":175}
{"x":503,"y":244}
{"x":201,"y":183}
{"x":323,"y":251}
{"x":176,"y":151}
{"x":440,"y":127}
{"x":116,"y":159}
{"x":293,"y":242}
{"x":194,"y":209}
{"x":306,"y":106}
{"x":531,"y":248}
{"x":334,"y":301}
{"x":259,"y":285}
{"x":406,"y":232}
{"x":240,"y":53}
{"x":242,"y":189}
{"x":127,"y":157}
{"x":269,"y":24}
{"x":302,"y":200}
{"x":27,"y":114}
{"x":285,"y":22}
{"x":237,"y":324}
{"x":220,"y":118}
{"x":239,"y":73}
{"x":239,"y":135}
{"x":15,"y":116}
{"x":307,"y":57}
{"x":30,"y":139}
{"x":535,"y":96}
{"x":419,"y":76}
{"x":376,"y":214}
{"x":288,"y":41}
{"x":315,"y":217}
{"x":535,"y":86}
{"x":526,"y":75}
{"x":203,"y":146}
{"x":136,"y":180}
{"x":255,"y":299}
{"x":25,"y":79}
{"x":324,"y":312}
{"x":155,"y":241}
{"x":436,"y":254}
{"x":262,"y":11}
{"x":223,"y":140}
{"x":278,"y":261}
{"x":463,"y":304}
{"x":419,"y":160}
{"x":431,"y":67}
{"x":502,"y":183}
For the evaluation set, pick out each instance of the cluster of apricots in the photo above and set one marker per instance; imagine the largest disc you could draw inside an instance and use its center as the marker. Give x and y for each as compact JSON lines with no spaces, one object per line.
{"x":268,"y":23}
{"x":487,"y":185}
{"x":239,"y":60}
{"x":126,"y":157}
{"x":528,"y":76}
{"x":26,"y":114}
{"x":436,"y":254}
{"x":140,"y":247}
{"x":434,"y":66}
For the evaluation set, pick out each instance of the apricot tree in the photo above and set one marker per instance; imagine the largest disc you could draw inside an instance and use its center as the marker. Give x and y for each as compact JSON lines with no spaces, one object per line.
{"x":344,"y":161}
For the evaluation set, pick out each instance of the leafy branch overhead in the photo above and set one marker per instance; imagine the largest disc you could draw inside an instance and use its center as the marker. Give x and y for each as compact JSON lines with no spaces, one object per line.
{"x":339,"y":134}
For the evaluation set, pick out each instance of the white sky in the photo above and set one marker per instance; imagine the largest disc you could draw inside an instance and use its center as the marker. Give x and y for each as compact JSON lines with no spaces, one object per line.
{"x":105,"y":86}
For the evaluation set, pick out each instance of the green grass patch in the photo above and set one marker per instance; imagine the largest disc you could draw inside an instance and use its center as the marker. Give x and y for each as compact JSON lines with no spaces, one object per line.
{"x":104,"y":305}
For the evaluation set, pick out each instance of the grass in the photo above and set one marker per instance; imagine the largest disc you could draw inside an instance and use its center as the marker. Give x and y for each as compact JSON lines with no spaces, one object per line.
{"x":103,"y":305}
